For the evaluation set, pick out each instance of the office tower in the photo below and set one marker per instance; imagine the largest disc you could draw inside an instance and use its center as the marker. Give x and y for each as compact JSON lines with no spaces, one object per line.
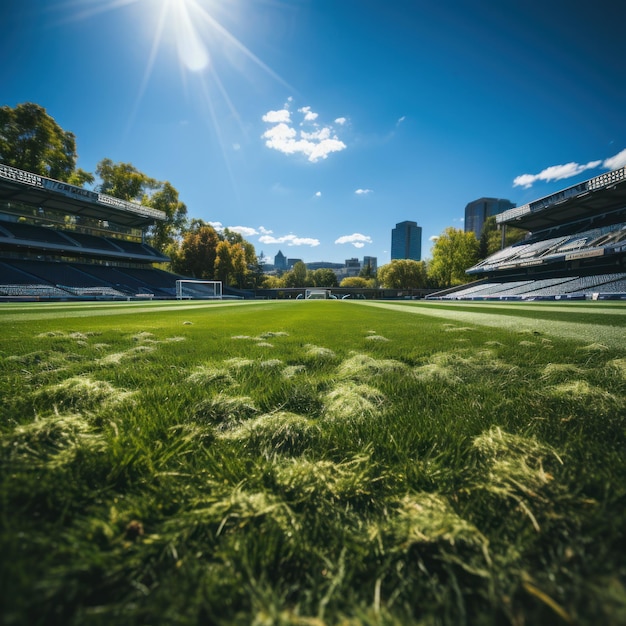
{"x":478,"y":211}
{"x":406,"y":241}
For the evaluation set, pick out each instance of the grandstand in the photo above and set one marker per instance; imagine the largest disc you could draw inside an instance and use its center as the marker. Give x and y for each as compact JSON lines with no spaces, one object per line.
{"x":575,"y":248}
{"x":62,"y":242}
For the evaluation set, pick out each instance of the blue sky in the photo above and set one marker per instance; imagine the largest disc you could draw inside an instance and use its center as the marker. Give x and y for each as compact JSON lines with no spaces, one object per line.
{"x":314,"y":126}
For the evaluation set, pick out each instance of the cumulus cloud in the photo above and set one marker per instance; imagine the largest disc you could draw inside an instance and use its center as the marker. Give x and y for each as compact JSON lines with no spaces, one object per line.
{"x":433,"y":238}
{"x":560,"y":172}
{"x":318,"y":194}
{"x":244,"y":231}
{"x":341,"y":120}
{"x":218,"y":226}
{"x":554,"y":172}
{"x":265,"y":231}
{"x":615,"y":162}
{"x":309,"y":116}
{"x":290,"y":240}
{"x":356,"y":239}
{"x":314,"y":141}
{"x":275,"y":117}
{"x":362,"y":192}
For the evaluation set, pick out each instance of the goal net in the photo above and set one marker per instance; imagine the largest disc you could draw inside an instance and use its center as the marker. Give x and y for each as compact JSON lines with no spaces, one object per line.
{"x":199,"y":289}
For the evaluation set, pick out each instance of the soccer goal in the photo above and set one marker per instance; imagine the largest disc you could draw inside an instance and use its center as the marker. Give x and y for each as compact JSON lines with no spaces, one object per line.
{"x":198,"y":289}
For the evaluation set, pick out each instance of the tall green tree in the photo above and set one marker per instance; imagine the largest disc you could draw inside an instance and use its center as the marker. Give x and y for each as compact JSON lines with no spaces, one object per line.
{"x":454,"y":252}
{"x":124,"y":181}
{"x":403,"y":274}
{"x":31,"y":140}
{"x":296,"y":277}
{"x":323,"y":277}
{"x":162,"y":234}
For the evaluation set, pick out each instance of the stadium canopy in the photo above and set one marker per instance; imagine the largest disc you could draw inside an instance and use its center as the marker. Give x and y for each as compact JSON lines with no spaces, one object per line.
{"x":34,"y":190}
{"x":603,"y":195}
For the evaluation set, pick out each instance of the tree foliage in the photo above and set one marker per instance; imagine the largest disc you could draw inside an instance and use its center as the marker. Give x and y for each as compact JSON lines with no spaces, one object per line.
{"x":357,"y":282}
{"x":403,"y":274}
{"x":454,"y":252}
{"x":296,"y":277}
{"x":31,"y":140}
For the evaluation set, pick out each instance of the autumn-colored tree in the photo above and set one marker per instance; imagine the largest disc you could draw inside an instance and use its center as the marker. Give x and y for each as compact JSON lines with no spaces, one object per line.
{"x":197,"y":252}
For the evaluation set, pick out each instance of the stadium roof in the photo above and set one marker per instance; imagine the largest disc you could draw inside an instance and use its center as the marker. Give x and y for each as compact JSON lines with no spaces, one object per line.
{"x":20,"y":186}
{"x":597,"y":196}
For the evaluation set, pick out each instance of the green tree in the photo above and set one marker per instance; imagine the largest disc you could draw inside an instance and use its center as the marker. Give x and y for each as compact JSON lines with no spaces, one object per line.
{"x":296,"y":277}
{"x":453,"y":253}
{"x":165,"y":199}
{"x":357,"y":282}
{"x":124,"y":181}
{"x":403,"y":274}
{"x":323,"y":277}
{"x":31,"y":140}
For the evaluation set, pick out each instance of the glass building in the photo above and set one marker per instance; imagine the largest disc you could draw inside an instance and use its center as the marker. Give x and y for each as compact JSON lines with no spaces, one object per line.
{"x":478,"y":211}
{"x":406,"y":241}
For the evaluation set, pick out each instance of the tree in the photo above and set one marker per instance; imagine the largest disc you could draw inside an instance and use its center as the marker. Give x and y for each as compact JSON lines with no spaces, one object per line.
{"x":453,"y":253}
{"x":323,"y":277}
{"x":296,"y":277}
{"x":358,"y":282}
{"x":197,"y":252}
{"x":31,"y":140}
{"x":164,"y":233}
{"x":223,"y":262}
{"x":403,"y":274}
{"x":124,"y":181}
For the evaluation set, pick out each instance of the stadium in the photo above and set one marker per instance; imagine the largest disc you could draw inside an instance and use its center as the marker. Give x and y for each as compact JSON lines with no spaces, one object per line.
{"x":62,"y":242}
{"x":575,"y":247}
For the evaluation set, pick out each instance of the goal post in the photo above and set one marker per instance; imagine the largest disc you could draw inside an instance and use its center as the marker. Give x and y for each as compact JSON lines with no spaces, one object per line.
{"x":187,"y":289}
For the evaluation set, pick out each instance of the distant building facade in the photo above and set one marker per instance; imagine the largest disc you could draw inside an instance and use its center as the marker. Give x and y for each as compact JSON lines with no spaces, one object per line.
{"x":280,"y":261}
{"x":477,"y":212}
{"x":406,"y":241}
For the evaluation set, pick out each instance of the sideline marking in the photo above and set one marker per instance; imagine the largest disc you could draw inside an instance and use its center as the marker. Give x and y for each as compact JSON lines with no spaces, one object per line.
{"x":612,"y":336}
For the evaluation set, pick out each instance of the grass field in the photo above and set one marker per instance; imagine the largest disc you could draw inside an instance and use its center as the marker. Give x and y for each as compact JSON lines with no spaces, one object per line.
{"x":313,"y":463}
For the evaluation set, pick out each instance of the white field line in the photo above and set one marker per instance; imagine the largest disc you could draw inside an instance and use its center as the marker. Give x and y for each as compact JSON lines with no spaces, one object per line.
{"x":37,"y":311}
{"x":610,"y":336}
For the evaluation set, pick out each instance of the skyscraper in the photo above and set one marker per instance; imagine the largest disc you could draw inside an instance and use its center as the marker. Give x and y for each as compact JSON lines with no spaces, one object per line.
{"x":406,"y":241}
{"x":478,"y":211}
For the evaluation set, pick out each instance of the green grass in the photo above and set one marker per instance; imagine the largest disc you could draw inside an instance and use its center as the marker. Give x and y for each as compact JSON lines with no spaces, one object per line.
{"x":312,"y":463}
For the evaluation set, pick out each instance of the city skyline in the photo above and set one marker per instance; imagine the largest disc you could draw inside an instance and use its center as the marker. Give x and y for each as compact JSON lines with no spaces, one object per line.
{"x":315,"y":126}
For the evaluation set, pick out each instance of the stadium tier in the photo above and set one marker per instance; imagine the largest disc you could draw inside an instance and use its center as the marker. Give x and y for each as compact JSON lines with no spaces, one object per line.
{"x":58,"y":241}
{"x":575,"y":247}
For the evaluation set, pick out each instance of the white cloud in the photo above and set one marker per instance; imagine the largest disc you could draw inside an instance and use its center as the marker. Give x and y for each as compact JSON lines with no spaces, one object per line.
{"x":615,"y":162}
{"x":265,"y":231}
{"x":341,"y":121}
{"x":316,"y":143}
{"x":318,"y":194}
{"x":218,"y":226}
{"x":362,"y":192}
{"x":244,"y":231}
{"x":400,"y":120}
{"x":290,"y":240}
{"x":559,"y":172}
{"x":309,"y":116}
{"x":356,"y":239}
{"x":275,"y":117}
{"x":433,"y":238}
